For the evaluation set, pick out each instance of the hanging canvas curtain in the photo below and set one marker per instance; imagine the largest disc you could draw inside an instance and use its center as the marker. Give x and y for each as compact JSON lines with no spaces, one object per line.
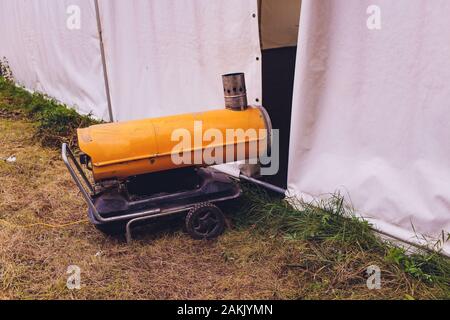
{"x":53,"y":47}
{"x":371,"y":111}
{"x":167,"y":57}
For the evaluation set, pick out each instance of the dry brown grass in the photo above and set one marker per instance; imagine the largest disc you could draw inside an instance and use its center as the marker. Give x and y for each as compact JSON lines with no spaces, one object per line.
{"x":162,"y":264}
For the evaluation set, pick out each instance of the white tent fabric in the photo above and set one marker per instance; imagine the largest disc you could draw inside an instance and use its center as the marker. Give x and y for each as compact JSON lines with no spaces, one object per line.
{"x":371,"y":115}
{"x":163,"y":57}
{"x":47,"y":56}
{"x":167,"y":57}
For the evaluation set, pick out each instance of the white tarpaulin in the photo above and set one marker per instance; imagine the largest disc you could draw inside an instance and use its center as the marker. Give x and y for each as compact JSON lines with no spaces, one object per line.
{"x":371,"y":111}
{"x":167,"y":57}
{"x":48,"y":56}
{"x":163,"y":57}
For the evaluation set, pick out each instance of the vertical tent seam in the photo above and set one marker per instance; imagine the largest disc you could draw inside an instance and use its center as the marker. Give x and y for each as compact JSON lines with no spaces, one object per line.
{"x":102,"y":52}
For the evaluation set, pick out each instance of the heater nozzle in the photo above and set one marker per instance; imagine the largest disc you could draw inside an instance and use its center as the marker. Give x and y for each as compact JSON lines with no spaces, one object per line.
{"x":235,"y":91}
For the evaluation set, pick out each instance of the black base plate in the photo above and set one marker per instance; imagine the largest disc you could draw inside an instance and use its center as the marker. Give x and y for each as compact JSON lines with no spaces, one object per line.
{"x":166,"y":190}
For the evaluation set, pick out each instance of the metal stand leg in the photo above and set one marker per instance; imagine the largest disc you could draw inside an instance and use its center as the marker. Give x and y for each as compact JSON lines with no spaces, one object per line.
{"x":128,"y":233}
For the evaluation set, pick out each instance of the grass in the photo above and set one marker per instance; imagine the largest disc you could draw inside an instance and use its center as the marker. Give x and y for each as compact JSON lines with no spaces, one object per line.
{"x":270,"y":251}
{"x":56,"y":123}
{"x":332,"y":224}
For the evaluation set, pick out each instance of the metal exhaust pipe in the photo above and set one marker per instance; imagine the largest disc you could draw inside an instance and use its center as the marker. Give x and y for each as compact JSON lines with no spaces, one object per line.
{"x":235,"y":91}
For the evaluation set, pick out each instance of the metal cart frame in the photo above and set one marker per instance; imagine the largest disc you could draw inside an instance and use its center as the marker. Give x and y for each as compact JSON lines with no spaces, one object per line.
{"x":88,"y":192}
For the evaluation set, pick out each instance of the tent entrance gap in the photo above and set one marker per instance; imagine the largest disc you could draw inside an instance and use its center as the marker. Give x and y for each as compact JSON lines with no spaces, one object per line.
{"x":279,"y":26}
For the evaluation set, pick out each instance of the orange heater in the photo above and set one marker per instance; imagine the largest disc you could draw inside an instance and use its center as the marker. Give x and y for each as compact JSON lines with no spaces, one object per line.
{"x":121,"y":150}
{"x":147,"y":169}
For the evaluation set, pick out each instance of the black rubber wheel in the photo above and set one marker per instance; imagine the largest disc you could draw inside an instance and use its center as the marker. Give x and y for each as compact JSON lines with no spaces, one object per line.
{"x":205,"y":221}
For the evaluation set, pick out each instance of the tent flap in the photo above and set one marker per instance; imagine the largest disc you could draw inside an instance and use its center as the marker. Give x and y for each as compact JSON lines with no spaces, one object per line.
{"x":370,"y":113}
{"x":49,"y":54}
{"x":167,"y":57}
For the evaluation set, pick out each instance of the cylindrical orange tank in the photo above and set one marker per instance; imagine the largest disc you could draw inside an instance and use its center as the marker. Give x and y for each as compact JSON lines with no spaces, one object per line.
{"x":122,"y":150}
